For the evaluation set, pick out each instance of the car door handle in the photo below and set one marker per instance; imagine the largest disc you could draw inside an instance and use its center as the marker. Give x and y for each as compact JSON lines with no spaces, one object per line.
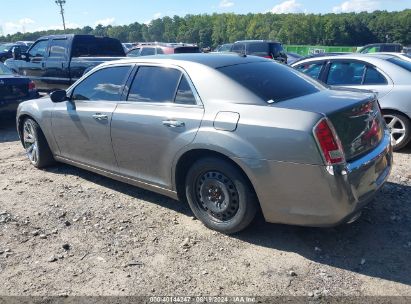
{"x":173,"y":123}
{"x":100,"y":117}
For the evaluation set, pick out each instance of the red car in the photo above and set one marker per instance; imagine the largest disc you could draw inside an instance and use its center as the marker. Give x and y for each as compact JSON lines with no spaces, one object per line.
{"x":162,"y":48}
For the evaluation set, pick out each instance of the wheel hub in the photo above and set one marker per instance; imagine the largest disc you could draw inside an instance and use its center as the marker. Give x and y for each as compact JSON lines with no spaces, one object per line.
{"x":217,"y":195}
{"x":397,"y":128}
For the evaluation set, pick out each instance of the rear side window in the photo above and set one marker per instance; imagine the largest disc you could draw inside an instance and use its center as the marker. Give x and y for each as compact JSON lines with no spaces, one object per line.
{"x":311,"y":69}
{"x":58,"y":48}
{"x":270,"y":81}
{"x":147,"y":51}
{"x":238,"y":48}
{"x":346,"y":73}
{"x":258,"y":49}
{"x":154,"y":84}
{"x":186,"y":49}
{"x":276,"y":49}
{"x":89,"y":46}
{"x":105,"y":84}
{"x":372,"y":76}
{"x":184,"y":93}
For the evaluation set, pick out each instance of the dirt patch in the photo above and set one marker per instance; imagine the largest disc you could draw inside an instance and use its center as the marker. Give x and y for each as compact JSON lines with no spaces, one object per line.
{"x":66,"y":231}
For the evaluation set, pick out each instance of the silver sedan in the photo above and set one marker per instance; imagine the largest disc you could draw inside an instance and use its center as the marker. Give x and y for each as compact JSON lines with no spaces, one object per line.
{"x":388,"y":75}
{"x":229,"y":134}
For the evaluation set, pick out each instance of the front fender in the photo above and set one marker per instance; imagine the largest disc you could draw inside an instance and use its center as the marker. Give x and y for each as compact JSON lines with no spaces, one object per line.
{"x":39,"y":110}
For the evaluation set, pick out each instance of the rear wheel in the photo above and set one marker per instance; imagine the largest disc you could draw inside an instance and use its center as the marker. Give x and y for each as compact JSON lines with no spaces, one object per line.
{"x":220,"y":196}
{"x":35,"y":143}
{"x":400,"y":127}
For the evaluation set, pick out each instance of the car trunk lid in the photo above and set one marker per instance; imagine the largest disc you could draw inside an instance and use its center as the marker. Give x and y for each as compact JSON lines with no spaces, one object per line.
{"x":13,"y":88}
{"x":355,"y":116}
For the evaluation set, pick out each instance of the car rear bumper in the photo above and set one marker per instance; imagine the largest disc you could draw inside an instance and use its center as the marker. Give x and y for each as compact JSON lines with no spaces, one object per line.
{"x":313,"y":195}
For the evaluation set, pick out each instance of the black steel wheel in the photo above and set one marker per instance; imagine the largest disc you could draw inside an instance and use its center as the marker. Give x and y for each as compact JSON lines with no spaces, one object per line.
{"x":220,"y":195}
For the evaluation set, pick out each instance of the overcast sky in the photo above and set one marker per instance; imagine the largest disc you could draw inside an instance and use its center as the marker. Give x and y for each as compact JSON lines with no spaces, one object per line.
{"x":28,"y":15}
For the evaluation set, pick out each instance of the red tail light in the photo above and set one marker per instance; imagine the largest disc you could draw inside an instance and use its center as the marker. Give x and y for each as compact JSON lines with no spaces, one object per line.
{"x":328,"y":142}
{"x":269,"y":57}
{"x":32,"y":86}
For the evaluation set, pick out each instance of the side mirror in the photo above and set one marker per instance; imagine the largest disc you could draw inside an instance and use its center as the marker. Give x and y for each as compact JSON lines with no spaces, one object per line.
{"x":58,"y":96}
{"x":24,"y":56}
{"x":16,"y":53}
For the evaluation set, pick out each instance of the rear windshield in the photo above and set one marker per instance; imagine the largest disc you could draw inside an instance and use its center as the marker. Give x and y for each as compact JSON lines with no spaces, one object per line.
{"x":4,"y":70}
{"x":272,"y":82}
{"x":402,"y":63}
{"x":186,"y":49}
{"x":97,"y":46}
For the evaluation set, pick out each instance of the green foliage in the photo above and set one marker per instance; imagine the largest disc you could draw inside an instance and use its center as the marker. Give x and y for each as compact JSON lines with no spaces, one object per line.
{"x":211,"y":30}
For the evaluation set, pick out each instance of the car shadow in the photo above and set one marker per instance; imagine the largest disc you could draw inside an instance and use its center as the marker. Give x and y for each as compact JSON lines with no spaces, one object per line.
{"x":129,"y":190}
{"x":378,"y":244}
{"x":8,"y":129}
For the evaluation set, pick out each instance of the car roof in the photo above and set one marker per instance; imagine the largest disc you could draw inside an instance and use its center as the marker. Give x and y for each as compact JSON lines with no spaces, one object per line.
{"x":367,"y":57}
{"x":257,"y":41}
{"x":212,"y":60}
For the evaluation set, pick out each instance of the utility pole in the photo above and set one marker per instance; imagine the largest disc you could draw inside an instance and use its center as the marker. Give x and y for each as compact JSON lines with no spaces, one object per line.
{"x":61,"y":3}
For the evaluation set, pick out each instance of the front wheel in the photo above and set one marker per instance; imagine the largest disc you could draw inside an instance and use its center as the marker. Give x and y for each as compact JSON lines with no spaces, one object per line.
{"x":400,"y":127}
{"x":220,"y":196}
{"x":35,"y":143}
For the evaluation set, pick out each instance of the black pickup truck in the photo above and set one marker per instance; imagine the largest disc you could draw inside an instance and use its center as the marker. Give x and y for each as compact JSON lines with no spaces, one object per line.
{"x":56,"y":62}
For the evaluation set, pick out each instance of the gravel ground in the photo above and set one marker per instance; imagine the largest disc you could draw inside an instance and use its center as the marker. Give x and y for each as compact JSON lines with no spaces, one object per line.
{"x":65,"y":231}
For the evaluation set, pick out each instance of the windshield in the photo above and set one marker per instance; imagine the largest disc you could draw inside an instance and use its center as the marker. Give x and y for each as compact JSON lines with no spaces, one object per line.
{"x":272,"y":82}
{"x":402,"y":63}
{"x":4,"y":70}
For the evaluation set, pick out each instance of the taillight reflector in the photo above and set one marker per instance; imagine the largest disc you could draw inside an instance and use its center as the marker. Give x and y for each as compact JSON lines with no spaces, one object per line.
{"x":328,"y":143}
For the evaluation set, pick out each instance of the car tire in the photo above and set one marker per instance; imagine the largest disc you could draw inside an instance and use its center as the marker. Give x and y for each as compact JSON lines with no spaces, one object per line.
{"x":220,"y":195}
{"x":400,"y":126}
{"x":35,"y":144}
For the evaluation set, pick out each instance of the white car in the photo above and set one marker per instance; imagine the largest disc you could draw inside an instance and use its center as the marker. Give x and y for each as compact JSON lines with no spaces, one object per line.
{"x":387,"y":75}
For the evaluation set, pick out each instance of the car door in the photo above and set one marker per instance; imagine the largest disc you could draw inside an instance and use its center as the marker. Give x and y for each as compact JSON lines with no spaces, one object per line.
{"x":57,"y":74}
{"x":81,"y":125}
{"x":359,"y":75}
{"x":35,"y":65}
{"x":161,"y":115}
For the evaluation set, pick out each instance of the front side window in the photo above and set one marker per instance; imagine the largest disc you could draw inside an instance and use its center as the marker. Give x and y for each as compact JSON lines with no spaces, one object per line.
{"x":346,"y":73}
{"x":39,"y":49}
{"x":311,"y":69}
{"x":154,"y":84}
{"x":105,"y":84}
